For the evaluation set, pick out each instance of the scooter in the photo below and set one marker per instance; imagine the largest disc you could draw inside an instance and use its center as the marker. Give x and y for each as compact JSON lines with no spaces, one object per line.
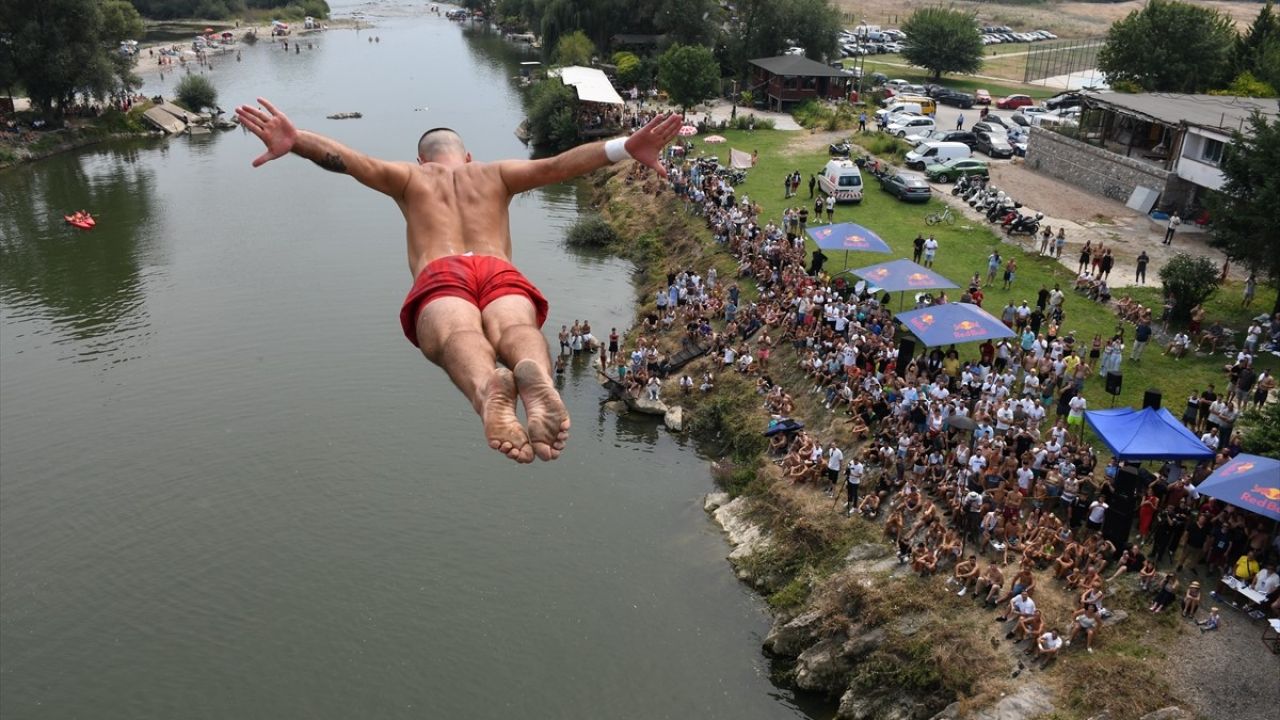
{"x":1028,"y":224}
{"x":840,"y":149}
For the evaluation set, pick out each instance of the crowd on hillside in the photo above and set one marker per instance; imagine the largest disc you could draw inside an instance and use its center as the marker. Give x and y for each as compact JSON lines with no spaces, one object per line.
{"x":970,"y":456}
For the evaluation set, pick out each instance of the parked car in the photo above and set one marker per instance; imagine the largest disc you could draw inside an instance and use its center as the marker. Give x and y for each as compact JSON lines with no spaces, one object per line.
{"x":960,"y":136}
{"x":1020,"y":120}
{"x":1064,"y":100}
{"x":905,"y":126}
{"x":896,"y":84}
{"x":981,"y":97}
{"x":1030,"y":110}
{"x":995,"y":145}
{"x":954,"y":97}
{"x":989,"y":127}
{"x":1013,"y":102}
{"x":946,"y":172}
{"x":906,"y":188}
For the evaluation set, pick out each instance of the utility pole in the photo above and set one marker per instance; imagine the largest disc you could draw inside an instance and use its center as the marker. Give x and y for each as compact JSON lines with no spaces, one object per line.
{"x":733,"y":113}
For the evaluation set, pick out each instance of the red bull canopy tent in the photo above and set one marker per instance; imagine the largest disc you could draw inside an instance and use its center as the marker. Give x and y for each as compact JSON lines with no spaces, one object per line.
{"x":902,"y":275}
{"x":848,"y":236}
{"x":1146,"y":434}
{"x":953,"y":323}
{"x":1251,"y":482}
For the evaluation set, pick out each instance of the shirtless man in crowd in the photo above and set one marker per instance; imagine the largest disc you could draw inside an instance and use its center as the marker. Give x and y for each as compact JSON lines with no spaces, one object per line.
{"x":469,"y":307}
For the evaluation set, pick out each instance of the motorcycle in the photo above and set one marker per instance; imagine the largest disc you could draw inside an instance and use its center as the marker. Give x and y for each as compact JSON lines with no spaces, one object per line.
{"x":1028,"y":224}
{"x":840,"y":149}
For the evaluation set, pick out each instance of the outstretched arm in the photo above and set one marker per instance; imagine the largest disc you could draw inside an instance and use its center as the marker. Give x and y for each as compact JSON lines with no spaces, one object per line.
{"x":278,"y":133}
{"x":644,"y":146}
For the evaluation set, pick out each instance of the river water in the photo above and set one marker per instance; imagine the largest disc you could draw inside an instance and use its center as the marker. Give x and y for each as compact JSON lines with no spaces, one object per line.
{"x":230,"y":489}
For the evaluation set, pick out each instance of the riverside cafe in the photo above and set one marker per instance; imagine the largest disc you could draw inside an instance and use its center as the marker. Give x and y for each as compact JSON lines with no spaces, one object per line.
{"x":599,"y":111}
{"x":1251,"y":483}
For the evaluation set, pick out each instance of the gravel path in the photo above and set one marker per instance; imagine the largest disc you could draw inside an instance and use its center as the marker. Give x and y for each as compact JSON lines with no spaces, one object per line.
{"x":1228,"y":673}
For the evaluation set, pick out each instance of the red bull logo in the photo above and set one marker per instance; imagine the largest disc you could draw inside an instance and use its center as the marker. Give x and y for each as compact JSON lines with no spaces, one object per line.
{"x":878,"y":274}
{"x":919,"y":280}
{"x":1262,"y":498}
{"x":968,"y":329}
{"x":856,"y":241}
{"x":1237,"y":468}
{"x":824,"y":234}
{"x":922,"y":322}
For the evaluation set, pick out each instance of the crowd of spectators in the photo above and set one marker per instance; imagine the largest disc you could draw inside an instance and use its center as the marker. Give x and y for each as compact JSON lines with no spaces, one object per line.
{"x":1021,"y":493}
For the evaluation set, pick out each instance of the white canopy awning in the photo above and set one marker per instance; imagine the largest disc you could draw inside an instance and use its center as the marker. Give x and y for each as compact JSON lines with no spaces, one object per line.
{"x":591,"y":84}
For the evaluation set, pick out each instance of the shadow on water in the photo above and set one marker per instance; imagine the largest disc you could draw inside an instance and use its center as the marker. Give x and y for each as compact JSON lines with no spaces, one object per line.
{"x":88,"y":284}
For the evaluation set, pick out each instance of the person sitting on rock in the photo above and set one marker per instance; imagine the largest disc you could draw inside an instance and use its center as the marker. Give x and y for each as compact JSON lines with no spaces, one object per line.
{"x":966,"y":574}
{"x":1028,"y":627}
{"x":1047,"y":647}
{"x":990,"y":584}
{"x":1086,"y":622}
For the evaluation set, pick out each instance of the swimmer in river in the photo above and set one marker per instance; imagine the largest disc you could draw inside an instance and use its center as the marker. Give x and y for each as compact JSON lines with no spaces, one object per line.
{"x":469,"y":307}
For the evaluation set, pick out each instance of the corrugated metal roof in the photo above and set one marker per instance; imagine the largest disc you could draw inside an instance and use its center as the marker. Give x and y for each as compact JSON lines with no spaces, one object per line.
{"x":1222,"y":112}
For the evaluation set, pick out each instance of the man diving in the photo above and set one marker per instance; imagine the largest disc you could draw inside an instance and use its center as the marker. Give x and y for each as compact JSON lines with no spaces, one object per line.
{"x":469,"y":306}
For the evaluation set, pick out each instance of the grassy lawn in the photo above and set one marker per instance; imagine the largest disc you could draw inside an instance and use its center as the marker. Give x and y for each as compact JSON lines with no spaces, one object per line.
{"x":963,"y":251}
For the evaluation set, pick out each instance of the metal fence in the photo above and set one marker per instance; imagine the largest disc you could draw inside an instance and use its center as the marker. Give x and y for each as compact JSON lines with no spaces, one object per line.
{"x":1061,"y":57}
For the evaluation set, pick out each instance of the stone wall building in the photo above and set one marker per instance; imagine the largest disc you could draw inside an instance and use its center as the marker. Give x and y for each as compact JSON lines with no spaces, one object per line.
{"x":1168,"y":143}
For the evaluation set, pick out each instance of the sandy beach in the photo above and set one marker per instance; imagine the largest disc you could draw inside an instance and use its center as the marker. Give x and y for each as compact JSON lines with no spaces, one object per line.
{"x":149,"y":57}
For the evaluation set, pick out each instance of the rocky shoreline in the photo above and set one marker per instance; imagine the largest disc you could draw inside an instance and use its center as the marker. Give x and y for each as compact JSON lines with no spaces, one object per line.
{"x":849,"y":621}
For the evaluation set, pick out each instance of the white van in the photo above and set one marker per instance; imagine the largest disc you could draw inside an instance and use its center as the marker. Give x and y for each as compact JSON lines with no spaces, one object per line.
{"x":932,"y":152}
{"x":841,"y":179}
{"x":899,"y":107}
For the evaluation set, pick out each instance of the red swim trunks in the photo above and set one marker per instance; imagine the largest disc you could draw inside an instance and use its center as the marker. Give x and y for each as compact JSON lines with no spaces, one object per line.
{"x":479,"y":279}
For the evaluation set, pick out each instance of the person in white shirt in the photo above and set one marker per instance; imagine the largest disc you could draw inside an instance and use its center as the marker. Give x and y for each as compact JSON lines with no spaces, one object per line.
{"x":1047,"y":646}
{"x":1097,"y":512}
{"x":835,"y":461}
{"x":853,"y":480}
{"x":1267,"y":580}
{"x":930,"y":251}
{"x":1210,"y":438}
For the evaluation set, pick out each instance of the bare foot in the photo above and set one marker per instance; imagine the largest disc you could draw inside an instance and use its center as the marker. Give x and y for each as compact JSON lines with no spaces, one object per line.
{"x":501,"y":426}
{"x":548,"y":418}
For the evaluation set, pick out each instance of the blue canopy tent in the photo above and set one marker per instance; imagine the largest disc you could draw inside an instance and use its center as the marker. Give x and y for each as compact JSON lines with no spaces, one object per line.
{"x":902,"y":275}
{"x":1251,"y":482}
{"x":953,"y":323}
{"x":1146,"y":434}
{"x":846,"y":237}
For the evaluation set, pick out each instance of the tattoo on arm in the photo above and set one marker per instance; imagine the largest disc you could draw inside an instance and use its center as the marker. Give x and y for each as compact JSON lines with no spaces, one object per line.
{"x":332,"y":162}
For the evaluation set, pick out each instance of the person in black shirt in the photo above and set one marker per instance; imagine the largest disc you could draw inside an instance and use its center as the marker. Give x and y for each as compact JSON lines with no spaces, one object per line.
{"x":917,"y":248}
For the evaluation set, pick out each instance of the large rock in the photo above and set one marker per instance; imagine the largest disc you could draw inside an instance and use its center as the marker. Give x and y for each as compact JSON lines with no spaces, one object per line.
{"x":1031,"y":700}
{"x":867,"y":551}
{"x":862,"y":644}
{"x":648,"y":407}
{"x":823,"y":667}
{"x":714,"y":500}
{"x":855,"y":705}
{"x":745,"y":536}
{"x":1115,"y":618}
{"x":1170,"y":713}
{"x":789,"y":639}
{"x":674,"y":419}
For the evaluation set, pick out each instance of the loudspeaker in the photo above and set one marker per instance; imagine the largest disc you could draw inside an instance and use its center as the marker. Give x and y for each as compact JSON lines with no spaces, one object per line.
{"x":1128,"y":484}
{"x":1113,"y":383}
{"x":1151,"y":399}
{"x":1117,"y":523}
{"x":906,"y":349}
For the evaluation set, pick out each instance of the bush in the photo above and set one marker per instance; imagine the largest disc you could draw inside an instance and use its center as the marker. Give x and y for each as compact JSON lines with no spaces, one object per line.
{"x":1191,"y":280}
{"x":592,"y":231}
{"x":748,"y":122}
{"x":196,"y":93}
{"x":552,"y":106}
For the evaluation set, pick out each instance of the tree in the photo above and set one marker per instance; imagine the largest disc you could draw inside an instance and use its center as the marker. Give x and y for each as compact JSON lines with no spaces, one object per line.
{"x":60,"y":48}
{"x":574,"y":49}
{"x":943,"y":41}
{"x":1261,"y":435}
{"x":764,"y":28}
{"x":196,"y":93}
{"x":1190,"y":280}
{"x":628,"y":67}
{"x":689,"y":74}
{"x":1169,"y":46}
{"x":552,"y":115}
{"x":1257,"y":51}
{"x":1244,"y":210}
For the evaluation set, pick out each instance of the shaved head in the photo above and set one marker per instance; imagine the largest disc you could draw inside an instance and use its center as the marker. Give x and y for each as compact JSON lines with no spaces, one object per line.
{"x":440,"y":144}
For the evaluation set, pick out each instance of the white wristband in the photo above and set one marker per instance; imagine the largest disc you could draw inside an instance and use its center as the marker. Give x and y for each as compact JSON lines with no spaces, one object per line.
{"x":616,"y":150}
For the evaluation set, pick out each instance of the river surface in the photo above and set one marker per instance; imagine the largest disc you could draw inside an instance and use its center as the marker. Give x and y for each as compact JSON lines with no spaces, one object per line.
{"x":229,"y":488}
